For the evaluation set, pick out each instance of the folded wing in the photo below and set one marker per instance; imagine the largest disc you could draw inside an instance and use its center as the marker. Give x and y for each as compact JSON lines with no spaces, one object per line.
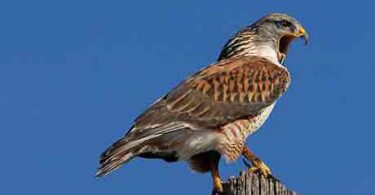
{"x":218,"y":94}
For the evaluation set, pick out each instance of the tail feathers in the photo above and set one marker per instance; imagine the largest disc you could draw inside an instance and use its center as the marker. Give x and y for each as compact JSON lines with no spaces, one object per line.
{"x":111,"y":165}
{"x":119,"y":153}
{"x":133,"y":144}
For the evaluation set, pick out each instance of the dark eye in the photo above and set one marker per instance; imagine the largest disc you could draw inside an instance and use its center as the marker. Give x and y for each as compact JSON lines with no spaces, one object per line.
{"x":283,"y":23}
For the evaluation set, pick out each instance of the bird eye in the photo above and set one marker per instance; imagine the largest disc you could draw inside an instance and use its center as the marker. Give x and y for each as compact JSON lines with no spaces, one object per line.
{"x":283,"y":23}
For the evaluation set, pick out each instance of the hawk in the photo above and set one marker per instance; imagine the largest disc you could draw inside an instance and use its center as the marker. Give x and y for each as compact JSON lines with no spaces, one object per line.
{"x":213,"y":111}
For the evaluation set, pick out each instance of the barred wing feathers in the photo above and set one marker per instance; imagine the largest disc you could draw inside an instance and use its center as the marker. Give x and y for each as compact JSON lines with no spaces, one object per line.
{"x":218,"y":94}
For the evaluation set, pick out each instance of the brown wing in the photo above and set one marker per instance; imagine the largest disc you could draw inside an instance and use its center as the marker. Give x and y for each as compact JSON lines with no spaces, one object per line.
{"x":220,"y":93}
{"x":217,"y":95}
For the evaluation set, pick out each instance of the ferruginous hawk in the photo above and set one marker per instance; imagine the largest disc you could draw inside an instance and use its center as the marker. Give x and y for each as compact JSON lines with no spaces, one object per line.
{"x":213,"y":111}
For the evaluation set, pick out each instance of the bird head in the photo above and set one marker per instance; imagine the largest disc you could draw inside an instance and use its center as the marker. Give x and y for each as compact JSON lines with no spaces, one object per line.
{"x":269,"y":37}
{"x":284,"y":29}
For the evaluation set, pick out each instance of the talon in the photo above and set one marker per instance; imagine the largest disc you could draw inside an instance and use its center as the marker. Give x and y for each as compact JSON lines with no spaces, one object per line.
{"x":253,"y":169}
{"x":257,"y":164}
{"x":260,"y":166}
{"x":218,"y":187}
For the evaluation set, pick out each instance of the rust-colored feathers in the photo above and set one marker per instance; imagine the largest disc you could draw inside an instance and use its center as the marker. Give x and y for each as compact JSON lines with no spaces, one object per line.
{"x":219,"y":94}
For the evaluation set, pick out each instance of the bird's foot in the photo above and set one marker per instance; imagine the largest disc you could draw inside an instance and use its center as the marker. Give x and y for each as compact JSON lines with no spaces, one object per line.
{"x":259,"y":166}
{"x":218,"y":187}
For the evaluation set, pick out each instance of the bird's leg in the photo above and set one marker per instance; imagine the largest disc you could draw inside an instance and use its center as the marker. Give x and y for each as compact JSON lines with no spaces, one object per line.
{"x":258,"y":165}
{"x":214,"y":159}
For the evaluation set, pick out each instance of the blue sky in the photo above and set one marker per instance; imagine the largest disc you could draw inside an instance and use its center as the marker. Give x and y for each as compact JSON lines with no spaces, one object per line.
{"x":74,"y":74}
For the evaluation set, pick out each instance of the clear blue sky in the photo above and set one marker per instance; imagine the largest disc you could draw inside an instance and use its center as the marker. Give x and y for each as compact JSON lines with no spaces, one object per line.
{"x":74,"y":74}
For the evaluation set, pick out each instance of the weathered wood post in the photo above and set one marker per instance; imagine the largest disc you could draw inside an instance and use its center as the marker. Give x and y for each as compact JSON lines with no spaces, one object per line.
{"x":255,"y":184}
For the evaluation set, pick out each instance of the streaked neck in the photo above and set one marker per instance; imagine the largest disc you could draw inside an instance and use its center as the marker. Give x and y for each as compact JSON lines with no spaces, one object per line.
{"x":248,"y":43}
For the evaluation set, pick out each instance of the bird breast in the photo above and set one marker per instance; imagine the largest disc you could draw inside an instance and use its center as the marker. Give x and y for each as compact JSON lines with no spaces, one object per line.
{"x":261,"y":118}
{"x":228,"y":140}
{"x":233,"y":135}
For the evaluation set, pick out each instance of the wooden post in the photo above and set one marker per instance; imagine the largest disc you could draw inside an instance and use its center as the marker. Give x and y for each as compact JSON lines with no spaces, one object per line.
{"x":254,"y":184}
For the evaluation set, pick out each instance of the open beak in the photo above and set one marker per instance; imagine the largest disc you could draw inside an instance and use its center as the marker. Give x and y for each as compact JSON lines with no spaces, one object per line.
{"x":285,"y":41}
{"x":303,"y":34}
